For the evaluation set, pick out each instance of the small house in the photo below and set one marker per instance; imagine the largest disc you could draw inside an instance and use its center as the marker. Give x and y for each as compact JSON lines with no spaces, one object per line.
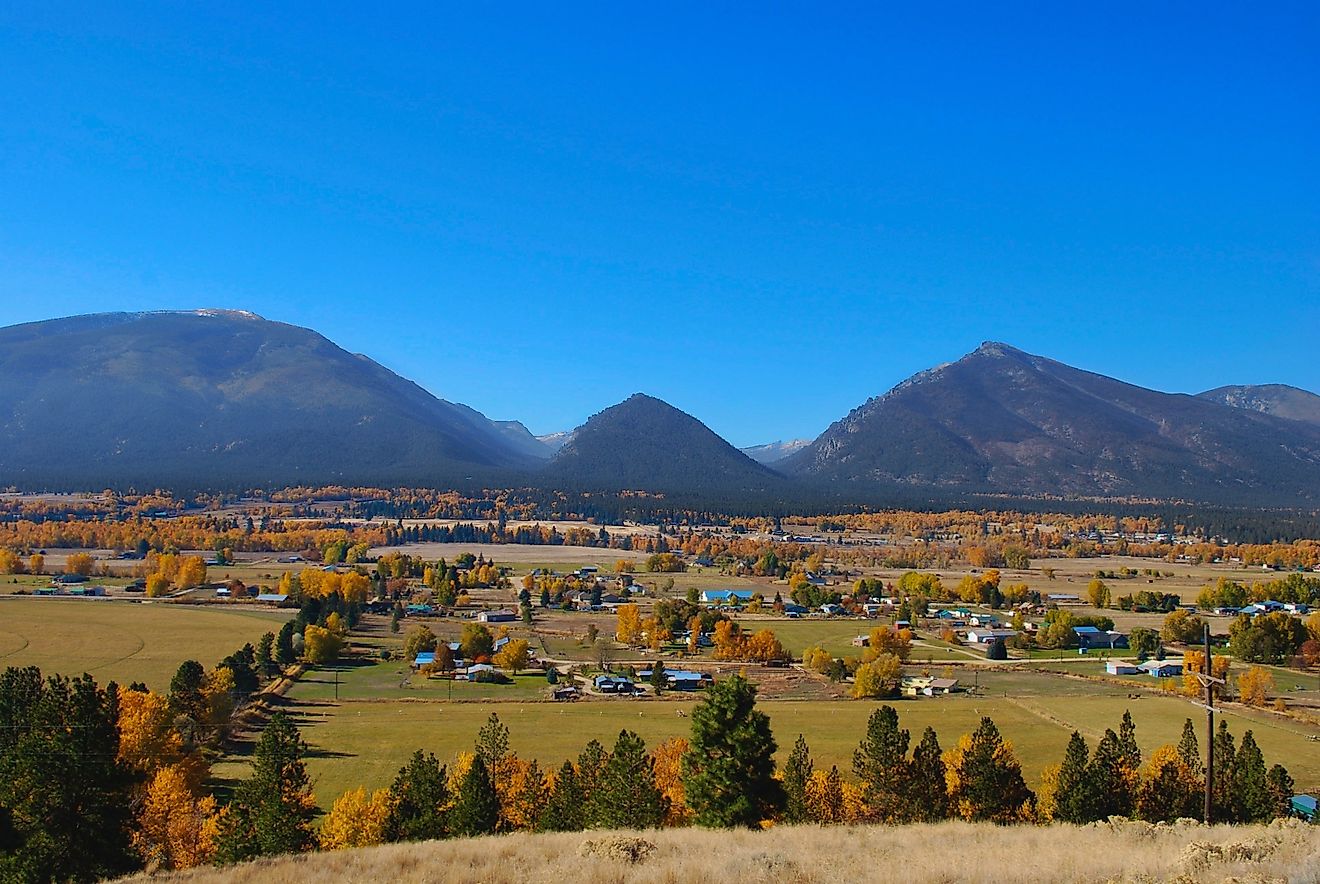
{"x":424,"y":658}
{"x":1304,"y":806}
{"x":1089,"y":637}
{"x":1119,"y":667}
{"x":861,"y":641}
{"x":613,"y":684}
{"x":1162,"y":668}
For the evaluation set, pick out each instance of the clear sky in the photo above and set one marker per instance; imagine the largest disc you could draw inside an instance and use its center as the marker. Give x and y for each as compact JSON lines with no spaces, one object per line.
{"x":762,"y":213}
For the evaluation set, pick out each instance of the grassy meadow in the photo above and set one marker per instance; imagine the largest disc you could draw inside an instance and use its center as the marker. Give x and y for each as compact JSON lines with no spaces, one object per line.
{"x":364,"y":741}
{"x":121,"y":641}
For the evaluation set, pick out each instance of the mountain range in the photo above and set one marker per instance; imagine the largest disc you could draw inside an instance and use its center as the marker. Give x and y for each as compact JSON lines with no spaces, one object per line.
{"x":211,"y":398}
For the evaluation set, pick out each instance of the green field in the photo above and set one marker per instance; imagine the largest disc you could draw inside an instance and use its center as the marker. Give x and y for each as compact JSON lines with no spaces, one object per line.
{"x":121,"y":641}
{"x":364,"y":742}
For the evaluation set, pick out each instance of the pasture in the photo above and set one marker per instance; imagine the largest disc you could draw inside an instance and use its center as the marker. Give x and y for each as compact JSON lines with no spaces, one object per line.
{"x":123,"y":641}
{"x":364,"y":742}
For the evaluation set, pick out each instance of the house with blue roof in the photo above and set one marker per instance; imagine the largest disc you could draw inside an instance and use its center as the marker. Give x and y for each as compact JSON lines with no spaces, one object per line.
{"x":1304,"y":806}
{"x":681,"y":679}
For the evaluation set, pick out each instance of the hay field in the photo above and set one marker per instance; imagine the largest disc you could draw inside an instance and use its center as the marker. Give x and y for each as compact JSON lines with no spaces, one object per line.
{"x":923,"y":854}
{"x":123,"y":641}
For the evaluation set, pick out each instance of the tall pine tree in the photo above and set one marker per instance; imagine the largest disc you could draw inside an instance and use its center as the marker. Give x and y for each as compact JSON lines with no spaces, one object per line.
{"x":881,"y":768}
{"x":630,"y":797}
{"x":476,"y":809}
{"x":417,"y":801}
{"x":929,"y":795}
{"x":797,"y":774}
{"x":1072,"y":797}
{"x":729,"y":769}
{"x":272,"y":809}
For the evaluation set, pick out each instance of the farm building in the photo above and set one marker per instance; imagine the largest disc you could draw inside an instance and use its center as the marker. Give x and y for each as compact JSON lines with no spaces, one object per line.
{"x":1119,"y":667}
{"x":425,"y":658}
{"x":501,"y":616}
{"x":726,"y":596}
{"x":926,"y":686}
{"x":274,"y":598}
{"x":1304,"y":806}
{"x":680,"y":679}
{"x":1162,"y":668}
{"x":986,"y":636}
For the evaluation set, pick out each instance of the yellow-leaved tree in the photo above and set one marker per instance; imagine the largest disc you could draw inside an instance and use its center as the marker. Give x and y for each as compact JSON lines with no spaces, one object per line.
{"x":176,"y":827}
{"x":321,"y":645}
{"x":1255,"y":685}
{"x":157,"y":585}
{"x":879,"y":678}
{"x":668,"y":764}
{"x":629,"y":628}
{"x":147,"y":738}
{"x":514,"y":656}
{"x":357,"y":819}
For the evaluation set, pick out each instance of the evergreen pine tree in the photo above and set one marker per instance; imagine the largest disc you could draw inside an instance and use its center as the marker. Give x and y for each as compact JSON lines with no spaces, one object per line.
{"x":1107,"y":785}
{"x":1252,"y":801}
{"x":493,"y":743}
{"x":629,"y":796}
{"x":417,"y":800}
{"x":1072,"y":798}
{"x":590,"y":765}
{"x":1221,"y":790}
{"x":272,"y":809}
{"x":1189,"y":750}
{"x":797,"y":773}
{"x":1127,"y":742}
{"x":65,"y":801}
{"x":476,"y":809}
{"x":284,"y":653}
{"x":186,"y":691}
{"x":1280,"y":785}
{"x":986,"y":779}
{"x":658,"y":679}
{"x":929,"y":795}
{"x":563,"y":811}
{"x":881,"y":768}
{"x":728,"y":771}
{"x":266,"y":655}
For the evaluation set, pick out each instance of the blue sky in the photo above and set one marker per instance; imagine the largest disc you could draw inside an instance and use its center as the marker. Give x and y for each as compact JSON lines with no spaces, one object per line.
{"x":763,"y":213}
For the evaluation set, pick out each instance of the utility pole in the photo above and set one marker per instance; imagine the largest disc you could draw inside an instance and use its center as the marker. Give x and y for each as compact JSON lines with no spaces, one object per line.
{"x":1208,"y":681}
{"x":336,"y":682}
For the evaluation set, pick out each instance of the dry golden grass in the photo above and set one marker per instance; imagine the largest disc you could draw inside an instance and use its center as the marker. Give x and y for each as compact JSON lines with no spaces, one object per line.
{"x":1287,"y":851}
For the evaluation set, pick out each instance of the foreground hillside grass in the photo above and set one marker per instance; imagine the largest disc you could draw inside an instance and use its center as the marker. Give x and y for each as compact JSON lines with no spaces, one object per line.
{"x":1125,"y":852}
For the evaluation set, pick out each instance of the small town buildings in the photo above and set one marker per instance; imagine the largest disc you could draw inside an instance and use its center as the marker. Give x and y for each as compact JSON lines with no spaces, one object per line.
{"x":1120,"y":667}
